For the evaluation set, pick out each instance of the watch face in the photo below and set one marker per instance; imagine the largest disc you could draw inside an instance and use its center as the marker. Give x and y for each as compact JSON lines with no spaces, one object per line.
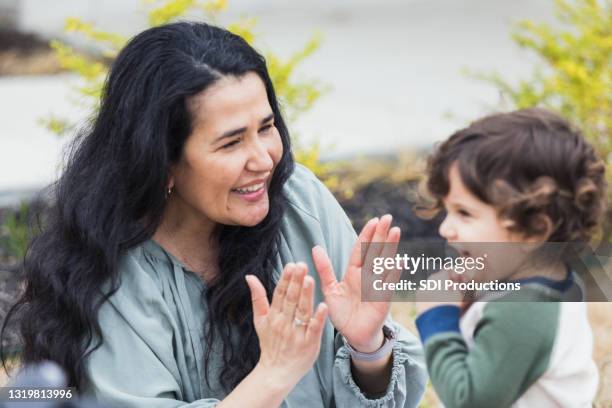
{"x":388,"y":332}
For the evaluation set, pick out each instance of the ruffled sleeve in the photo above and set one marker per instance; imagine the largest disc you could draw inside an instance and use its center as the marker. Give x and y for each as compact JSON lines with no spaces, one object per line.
{"x":408,"y":375}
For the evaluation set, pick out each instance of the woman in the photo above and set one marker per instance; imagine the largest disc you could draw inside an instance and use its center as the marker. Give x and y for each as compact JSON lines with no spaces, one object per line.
{"x":184,"y":186}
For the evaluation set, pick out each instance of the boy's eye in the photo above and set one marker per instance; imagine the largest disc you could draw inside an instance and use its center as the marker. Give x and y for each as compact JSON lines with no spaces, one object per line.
{"x":463,"y":213}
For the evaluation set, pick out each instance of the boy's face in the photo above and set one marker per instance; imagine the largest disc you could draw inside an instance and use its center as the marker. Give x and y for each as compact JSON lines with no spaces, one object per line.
{"x":470,"y":220}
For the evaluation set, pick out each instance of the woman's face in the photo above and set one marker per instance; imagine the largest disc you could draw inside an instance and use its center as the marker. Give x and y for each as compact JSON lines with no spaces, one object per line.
{"x":229,"y":158}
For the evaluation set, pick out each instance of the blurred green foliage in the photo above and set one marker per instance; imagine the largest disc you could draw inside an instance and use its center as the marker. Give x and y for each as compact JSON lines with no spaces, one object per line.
{"x":296,"y":96}
{"x":575,"y":75}
{"x":15,"y":231}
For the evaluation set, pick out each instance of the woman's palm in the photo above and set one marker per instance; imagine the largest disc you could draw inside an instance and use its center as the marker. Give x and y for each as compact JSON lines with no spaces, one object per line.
{"x":357,"y":320}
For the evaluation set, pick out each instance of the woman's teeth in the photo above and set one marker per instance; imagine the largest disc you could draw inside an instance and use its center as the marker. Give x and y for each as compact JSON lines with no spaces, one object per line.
{"x":250,"y":189}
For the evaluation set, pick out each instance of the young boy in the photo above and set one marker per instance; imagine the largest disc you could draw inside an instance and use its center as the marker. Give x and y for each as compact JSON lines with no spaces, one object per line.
{"x":520,"y":177}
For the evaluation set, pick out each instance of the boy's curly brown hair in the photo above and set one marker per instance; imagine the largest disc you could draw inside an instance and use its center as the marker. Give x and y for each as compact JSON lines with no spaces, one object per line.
{"x":532,"y":165}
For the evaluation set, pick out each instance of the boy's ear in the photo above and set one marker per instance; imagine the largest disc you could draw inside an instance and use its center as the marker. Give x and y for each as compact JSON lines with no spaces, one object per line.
{"x":541,"y":223}
{"x":542,"y":228}
{"x":545,"y":227}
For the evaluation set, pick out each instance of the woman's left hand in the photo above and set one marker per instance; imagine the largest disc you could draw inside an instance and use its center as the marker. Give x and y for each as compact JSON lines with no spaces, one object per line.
{"x":359,"y":322}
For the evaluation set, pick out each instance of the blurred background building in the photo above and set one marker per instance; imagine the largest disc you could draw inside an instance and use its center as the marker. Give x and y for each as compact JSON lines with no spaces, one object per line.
{"x":393,"y":70}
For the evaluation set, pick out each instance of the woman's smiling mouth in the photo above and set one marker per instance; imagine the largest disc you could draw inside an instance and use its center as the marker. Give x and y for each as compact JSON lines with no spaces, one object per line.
{"x":252,"y":192}
{"x":250,"y":189}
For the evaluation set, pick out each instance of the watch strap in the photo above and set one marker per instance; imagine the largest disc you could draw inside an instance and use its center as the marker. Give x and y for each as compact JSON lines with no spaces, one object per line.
{"x":385,"y":349}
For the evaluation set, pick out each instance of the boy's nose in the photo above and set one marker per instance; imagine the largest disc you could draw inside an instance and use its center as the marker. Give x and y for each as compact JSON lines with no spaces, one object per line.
{"x":447,"y":230}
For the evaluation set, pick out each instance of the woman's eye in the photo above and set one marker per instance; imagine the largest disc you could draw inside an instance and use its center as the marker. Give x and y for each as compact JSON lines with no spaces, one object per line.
{"x":266,"y":128}
{"x":230,"y":144}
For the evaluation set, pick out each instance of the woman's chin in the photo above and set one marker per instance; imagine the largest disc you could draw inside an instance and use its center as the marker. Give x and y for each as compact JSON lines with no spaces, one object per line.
{"x":253,"y":217}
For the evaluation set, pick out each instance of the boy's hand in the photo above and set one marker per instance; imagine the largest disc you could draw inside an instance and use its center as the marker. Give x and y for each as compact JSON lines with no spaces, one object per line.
{"x":428,"y":299}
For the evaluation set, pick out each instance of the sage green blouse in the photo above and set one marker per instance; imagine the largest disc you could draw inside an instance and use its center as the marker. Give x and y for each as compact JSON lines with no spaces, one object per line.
{"x":153,"y":350}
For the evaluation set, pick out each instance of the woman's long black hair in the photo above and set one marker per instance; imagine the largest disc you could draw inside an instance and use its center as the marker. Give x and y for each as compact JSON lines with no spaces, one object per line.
{"x":111,"y":197}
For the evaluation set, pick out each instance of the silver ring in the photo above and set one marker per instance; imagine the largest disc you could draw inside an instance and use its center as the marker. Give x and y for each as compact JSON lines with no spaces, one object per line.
{"x":298,"y":322}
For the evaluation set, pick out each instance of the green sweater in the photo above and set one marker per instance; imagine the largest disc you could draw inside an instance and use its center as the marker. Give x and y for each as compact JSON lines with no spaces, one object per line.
{"x":153,"y":350}
{"x":524,"y":349}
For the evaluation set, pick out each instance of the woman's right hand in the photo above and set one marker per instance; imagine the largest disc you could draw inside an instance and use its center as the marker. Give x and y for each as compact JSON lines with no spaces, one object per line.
{"x":289,"y":335}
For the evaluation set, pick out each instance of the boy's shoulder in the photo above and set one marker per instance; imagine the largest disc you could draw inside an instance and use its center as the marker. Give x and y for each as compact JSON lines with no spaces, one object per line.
{"x":532,"y":321}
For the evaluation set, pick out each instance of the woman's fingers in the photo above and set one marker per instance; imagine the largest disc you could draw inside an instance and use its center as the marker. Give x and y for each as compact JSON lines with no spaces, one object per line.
{"x":380,"y":237}
{"x":289,"y":334}
{"x":389,"y":250}
{"x":324,"y":267}
{"x":293,"y":299}
{"x":317,"y":323}
{"x":304,"y":308}
{"x":281,"y":288}
{"x":258,"y":297}
{"x":382,"y":229}
{"x":365,"y":237}
{"x":293,"y":291}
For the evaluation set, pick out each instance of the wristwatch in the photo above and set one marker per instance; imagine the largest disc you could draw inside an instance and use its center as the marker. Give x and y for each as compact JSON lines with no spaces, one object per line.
{"x":385,"y":349}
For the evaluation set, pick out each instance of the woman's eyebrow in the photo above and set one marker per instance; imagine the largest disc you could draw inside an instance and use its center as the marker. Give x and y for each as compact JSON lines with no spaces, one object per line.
{"x":267,"y":119}
{"x":243,"y":129}
{"x":231,"y":133}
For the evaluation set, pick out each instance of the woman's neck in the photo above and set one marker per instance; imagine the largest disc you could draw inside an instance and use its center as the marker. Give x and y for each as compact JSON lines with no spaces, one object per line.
{"x":189,"y":238}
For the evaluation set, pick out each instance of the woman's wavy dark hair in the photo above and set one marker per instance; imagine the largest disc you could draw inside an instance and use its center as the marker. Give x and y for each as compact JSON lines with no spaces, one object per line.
{"x":111,"y":197}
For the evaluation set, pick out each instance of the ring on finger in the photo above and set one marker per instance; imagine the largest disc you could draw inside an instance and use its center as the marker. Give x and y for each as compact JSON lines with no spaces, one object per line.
{"x":298,"y":322}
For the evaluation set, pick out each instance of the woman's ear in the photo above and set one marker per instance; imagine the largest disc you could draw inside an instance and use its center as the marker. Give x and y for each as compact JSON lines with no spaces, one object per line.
{"x":171,"y":177}
{"x":170,"y":182}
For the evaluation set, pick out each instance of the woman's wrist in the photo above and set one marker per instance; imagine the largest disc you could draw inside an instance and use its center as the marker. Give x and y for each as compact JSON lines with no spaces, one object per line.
{"x":260,"y":389}
{"x":373,"y":350}
{"x":369,"y":346}
{"x":274,"y":380}
{"x":371,"y":358}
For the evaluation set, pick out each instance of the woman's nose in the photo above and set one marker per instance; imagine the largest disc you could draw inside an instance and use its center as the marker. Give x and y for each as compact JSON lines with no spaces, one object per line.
{"x":259,"y":157}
